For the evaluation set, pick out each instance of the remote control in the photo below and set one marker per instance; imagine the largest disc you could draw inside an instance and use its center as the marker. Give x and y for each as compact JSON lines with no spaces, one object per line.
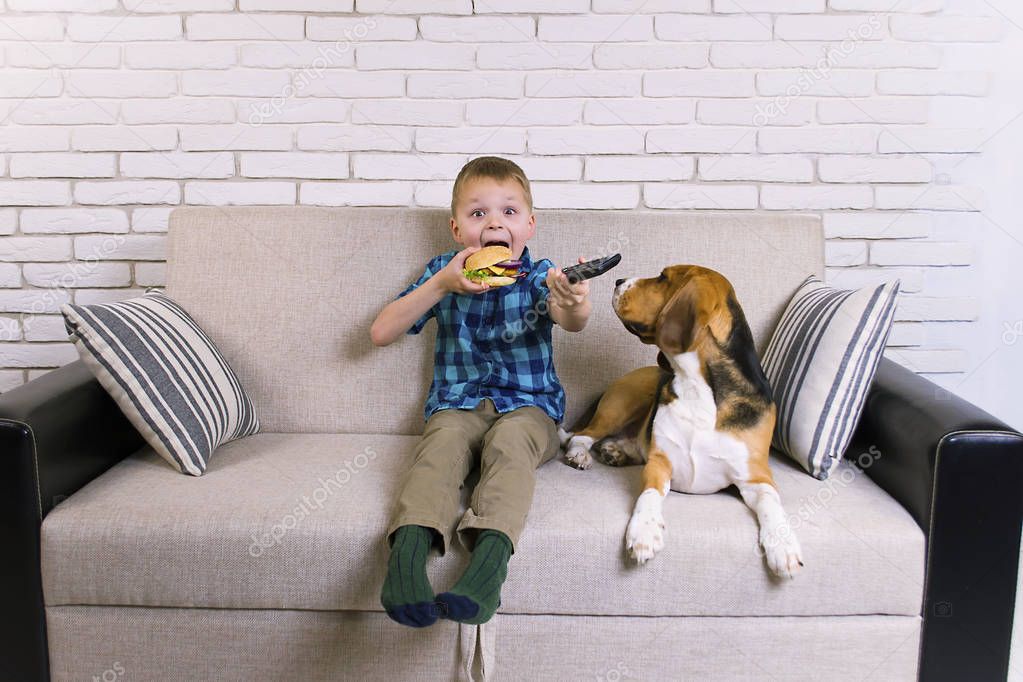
{"x":592,"y":268}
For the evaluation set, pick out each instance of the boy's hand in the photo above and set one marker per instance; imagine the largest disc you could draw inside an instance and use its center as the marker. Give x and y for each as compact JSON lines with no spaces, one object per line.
{"x":564,"y":294}
{"x":453,"y":281}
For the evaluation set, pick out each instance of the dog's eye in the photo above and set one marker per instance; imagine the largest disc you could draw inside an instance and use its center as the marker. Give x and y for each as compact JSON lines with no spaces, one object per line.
{"x":661,"y":278}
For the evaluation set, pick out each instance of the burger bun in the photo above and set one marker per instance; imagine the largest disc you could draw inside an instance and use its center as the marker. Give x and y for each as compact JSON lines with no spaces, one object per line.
{"x":487,"y":256}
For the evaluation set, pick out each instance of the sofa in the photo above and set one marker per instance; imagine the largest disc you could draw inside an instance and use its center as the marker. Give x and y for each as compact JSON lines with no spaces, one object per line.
{"x":269,"y":565}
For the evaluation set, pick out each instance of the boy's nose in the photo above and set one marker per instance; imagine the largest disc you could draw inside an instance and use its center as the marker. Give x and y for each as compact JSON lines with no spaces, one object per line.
{"x":618,"y":282}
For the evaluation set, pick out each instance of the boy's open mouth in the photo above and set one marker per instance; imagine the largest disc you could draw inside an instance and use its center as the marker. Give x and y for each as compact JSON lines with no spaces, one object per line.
{"x":498,"y":242}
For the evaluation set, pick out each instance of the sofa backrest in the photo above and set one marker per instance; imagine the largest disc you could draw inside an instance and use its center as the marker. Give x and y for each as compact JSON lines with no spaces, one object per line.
{"x":288,"y":294}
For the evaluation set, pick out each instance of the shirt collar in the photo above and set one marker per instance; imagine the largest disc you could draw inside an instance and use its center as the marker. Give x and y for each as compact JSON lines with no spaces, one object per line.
{"x":527,"y":260}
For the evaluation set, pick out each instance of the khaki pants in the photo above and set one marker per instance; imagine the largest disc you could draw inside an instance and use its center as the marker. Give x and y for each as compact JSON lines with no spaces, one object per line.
{"x":511,"y":446}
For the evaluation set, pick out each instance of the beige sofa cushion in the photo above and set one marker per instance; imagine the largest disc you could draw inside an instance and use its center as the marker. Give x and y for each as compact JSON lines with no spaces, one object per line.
{"x":142,"y":534}
{"x":288,"y":294}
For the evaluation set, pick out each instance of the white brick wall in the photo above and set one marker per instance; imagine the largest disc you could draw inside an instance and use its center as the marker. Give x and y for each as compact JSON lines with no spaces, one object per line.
{"x":113,"y":112}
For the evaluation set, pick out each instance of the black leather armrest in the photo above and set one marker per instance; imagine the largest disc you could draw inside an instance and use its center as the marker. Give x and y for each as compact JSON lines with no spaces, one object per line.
{"x":57,"y":433}
{"x":959,"y":472}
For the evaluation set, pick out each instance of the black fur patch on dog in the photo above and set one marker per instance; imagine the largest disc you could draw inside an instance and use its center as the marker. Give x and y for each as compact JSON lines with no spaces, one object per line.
{"x":741,"y":349}
{"x":665,"y":378}
{"x":744,"y":414}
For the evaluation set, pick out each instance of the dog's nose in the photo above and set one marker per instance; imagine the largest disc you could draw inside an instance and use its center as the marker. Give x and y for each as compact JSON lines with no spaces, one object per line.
{"x":618,"y":282}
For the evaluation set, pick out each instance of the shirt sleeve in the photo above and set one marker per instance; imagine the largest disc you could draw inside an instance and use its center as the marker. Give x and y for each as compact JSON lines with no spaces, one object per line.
{"x":538,"y":279}
{"x":432,"y":268}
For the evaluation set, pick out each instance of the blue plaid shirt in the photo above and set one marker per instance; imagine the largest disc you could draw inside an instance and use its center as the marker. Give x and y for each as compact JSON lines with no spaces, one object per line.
{"x":495,"y":345}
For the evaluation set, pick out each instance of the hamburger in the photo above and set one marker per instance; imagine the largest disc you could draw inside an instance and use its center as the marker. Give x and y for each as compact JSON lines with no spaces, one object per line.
{"x":494,"y":266}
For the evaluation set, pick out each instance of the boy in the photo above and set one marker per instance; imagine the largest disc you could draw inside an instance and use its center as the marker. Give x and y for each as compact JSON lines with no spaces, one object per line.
{"x":494,"y":391}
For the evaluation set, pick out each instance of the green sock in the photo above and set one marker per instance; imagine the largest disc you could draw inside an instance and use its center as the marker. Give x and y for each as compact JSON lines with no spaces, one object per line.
{"x":407,"y":596}
{"x":477,"y":594}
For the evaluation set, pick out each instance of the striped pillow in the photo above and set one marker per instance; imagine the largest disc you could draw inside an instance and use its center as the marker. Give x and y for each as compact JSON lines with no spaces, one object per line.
{"x":166,"y":375}
{"x":821,"y":361}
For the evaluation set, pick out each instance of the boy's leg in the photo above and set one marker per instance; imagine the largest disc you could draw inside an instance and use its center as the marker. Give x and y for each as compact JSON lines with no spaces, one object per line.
{"x":519,"y":442}
{"x":406,"y":594}
{"x":426,"y":506}
{"x":430,"y":490}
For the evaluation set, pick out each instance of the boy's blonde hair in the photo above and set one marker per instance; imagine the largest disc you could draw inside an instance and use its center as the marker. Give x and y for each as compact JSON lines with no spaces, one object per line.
{"x":495,"y":168}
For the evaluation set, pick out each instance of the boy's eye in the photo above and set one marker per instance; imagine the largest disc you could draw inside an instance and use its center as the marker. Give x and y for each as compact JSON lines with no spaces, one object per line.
{"x":512,"y":210}
{"x":475,"y":211}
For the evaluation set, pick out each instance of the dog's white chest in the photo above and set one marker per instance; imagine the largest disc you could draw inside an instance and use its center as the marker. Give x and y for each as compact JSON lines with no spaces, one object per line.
{"x":702,"y":460}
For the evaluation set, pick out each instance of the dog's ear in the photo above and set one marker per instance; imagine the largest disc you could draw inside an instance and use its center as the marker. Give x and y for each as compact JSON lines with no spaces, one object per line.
{"x":686,"y":312}
{"x":663,"y":362}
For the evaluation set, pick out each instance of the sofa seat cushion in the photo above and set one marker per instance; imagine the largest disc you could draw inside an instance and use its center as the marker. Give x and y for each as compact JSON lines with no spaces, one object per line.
{"x":297,"y":521}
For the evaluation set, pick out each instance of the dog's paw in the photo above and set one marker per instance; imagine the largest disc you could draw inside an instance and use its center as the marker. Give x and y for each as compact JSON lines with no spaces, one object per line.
{"x":579,"y":457}
{"x":782,"y":551}
{"x":645,"y":535}
{"x":612,"y":452}
{"x":578,"y":452}
{"x":609,"y":453}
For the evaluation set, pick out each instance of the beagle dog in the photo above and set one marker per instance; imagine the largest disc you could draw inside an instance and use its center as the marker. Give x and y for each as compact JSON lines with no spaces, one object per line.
{"x":700,"y":421}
